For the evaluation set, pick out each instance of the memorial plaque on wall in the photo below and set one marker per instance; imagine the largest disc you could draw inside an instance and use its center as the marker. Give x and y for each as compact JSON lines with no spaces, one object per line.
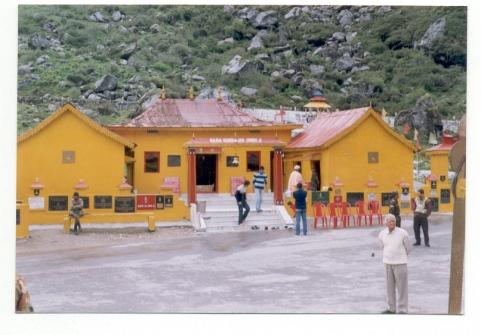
{"x":434,"y":204}
{"x":385,"y":198}
{"x":159,"y":202}
{"x":445,"y":195}
{"x":353,"y":197}
{"x":405,"y":190}
{"x":124,"y":204}
{"x":86,"y":201}
{"x":102,"y":201}
{"x":145,"y":201}
{"x":434,"y":185}
{"x":169,"y":201}
{"x":18,"y":216}
{"x":58,"y":203}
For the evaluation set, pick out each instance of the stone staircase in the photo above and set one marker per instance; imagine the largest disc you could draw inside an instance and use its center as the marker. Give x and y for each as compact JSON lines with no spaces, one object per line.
{"x":222,"y":213}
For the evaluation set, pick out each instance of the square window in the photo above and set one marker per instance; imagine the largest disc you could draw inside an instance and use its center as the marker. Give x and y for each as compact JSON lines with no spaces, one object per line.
{"x":68,"y":157}
{"x":151,"y":161}
{"x":173,"y":160}
{"x":373,"y":157}
{"x":253,"y":160}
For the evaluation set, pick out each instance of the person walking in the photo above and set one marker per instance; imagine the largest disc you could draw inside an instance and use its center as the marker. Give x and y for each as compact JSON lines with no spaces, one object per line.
{"x":300,"y":197}
{"x":76,"y":211}
{"x":241,"y":197}
{"x":421,"y":207}
{"x":394,"y":208}
{"x":259,"y":180}
{"x":314,"y":180}
{"x":295,"y":178}
{"x":396,"y":247}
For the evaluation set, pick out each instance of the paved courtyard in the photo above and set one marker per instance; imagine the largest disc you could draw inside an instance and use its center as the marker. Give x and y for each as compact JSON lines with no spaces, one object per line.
{"x":176,"y":270}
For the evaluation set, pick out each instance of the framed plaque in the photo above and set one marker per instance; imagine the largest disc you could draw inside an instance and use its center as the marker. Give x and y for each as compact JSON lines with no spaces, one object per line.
{"x":102,"y":201}
{"x":353,"y":197}
{"x":86,"y":201}
{"x":325,"y":197}
{"x":68,"y":157}
{"x":373,"y":157}
{"x":434,"y":185}
{"x":445,"y":195}
{"x":145,"y":201}
{"x":159,"y":202}
{"x":442,"y":178}
{"x":169,"y":201}
{"x":58,"y":203}
{"x":18,"y":216}
{"x":434,"y":204}
{"x":173,"y":160}
{"x":405,"y":190}
{"x":36,"y":203}
{"x":125,"y":204}
{"x":385,"y":198}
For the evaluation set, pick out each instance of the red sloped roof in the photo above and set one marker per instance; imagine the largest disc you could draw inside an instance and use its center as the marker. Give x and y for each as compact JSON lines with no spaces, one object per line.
{"x":193,"y":113}
{"x":325,"y":127}
{"x":448,"y":141}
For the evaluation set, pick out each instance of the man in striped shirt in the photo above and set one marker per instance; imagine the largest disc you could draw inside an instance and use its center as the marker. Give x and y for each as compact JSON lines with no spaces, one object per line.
{"x":259,"y":180}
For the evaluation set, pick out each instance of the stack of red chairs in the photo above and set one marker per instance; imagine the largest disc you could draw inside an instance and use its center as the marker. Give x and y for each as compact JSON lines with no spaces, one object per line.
{"x":320,"y":213}
{"x":333,"y":214}
{"x":374,"y":210}
{"x":344,"y":214}
{"x":361,"y":211}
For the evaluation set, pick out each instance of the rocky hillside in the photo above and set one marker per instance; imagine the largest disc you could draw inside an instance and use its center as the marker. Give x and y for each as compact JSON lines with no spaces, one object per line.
{"x":110,"y":59}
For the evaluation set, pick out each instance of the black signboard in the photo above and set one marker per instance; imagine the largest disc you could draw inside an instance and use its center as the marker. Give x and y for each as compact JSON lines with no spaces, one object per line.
{"x":325,"y":197}
{"x":316,"y":197}
{"x":18,"y":216}
{"x":86,"y":201}
{"x":353,"y":197}
{"x":434,"y":184}
{"x":58,"y":203}
{"x":159,"y":202}
{"x":434,"y":204}
{"x":169,"y":201}
{"x":405,"y":190}
{"x":386,"y":198}
{"x":124,"y":204}
{"x":102,"y":201}
{"x":445,"y":195}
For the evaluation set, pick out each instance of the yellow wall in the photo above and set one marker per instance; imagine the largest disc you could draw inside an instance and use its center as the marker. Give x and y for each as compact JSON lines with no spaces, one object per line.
{"x":99,"y":161}
{"x":22,"y":228}
{"x":172,"y":142}
{"x":440,"y":167}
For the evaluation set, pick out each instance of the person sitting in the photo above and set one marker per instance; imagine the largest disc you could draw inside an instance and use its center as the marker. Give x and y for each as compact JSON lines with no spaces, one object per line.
{"x":76,"y":211}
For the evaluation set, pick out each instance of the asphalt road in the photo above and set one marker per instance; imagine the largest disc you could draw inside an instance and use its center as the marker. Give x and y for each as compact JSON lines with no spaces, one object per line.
{"x":175,"y":270}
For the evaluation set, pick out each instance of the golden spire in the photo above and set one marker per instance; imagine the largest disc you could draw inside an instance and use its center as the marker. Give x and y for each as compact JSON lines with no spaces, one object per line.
{"x":162,"y":93}
{"x":219,"y":96}
{"x":191,"y":93}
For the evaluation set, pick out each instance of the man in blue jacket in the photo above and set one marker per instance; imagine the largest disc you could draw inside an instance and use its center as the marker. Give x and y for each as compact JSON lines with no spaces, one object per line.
{"x":300,"y":197}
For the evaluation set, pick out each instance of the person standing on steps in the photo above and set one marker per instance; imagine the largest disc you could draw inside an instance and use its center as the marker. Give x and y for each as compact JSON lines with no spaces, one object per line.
{"x":295,"y":178}
{"x":300,"y":196}
{"x":241,"y":198}
{"x":421,"y":207}
{"x":259,"y":180}
{"x":394,"y":208}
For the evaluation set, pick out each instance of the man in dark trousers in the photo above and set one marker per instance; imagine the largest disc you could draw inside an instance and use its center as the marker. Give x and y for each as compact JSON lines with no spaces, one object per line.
{"x":300,"y":196}
{"x":240,"y":196}
{"x":421,"y":207}
{"x":394,"y":208}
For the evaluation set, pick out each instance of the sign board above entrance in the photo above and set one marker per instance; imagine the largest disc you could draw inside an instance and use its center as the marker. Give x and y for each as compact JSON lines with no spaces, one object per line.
{"x":234,"y":140}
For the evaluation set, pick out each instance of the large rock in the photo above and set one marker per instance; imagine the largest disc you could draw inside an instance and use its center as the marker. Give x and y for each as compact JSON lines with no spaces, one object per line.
{"x":294,"y":12}
{"x":38,"y":42}
{"x":248,"y":91}
{"x":196,"y":77}
{"x":228,"y":40}
{"x":97,"y":17}
{"x":128,"y":50}
{"x":212,"y":93}
{"x":339,"y":36}
{"x":316,"y":69}
{"x":247,"y":13}
{"x":345,"y":17}
{"x":434,"y":32}
{"x":106,"y":83}
{"x":24,"y":69}
{"x":155,"y":28}
{"x":345,"y":63}
{"x":116,"y":16}
{"x":309,"y":85}
{"x":265,"y":19}
{"x":49,"y":27}
{"x":257,"y":42}
{"x":234,"y":66}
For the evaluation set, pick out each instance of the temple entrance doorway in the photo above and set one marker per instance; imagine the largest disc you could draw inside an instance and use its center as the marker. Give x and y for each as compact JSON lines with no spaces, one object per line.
{"x":206,"y":173}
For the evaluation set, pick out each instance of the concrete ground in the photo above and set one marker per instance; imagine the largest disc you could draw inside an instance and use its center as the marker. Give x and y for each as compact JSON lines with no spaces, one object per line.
{"x":174,"y":270}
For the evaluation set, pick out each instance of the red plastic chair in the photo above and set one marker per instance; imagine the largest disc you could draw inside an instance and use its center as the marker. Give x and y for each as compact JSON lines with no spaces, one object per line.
{"x":320,"y":213}
{"x":333,"y":214}
{"x":361,"y":211}
{"x":375,"y":210}
{"x":292,"y":207}
{"x":345,"y":214}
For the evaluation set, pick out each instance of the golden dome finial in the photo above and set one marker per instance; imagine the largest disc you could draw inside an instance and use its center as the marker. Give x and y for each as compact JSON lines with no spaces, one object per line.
{"x":162,"y":93}
{"x":191,"y":93}
{"x":219,"y":96}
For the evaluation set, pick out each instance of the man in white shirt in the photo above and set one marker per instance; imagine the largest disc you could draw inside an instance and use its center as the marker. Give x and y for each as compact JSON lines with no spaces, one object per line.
{"x":396,"y":247}
{"x":295,"y":178}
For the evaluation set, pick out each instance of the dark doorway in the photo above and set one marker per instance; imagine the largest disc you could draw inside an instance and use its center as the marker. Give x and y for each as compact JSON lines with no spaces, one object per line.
{"x":206,"y":173}
{"x":316,"y":165}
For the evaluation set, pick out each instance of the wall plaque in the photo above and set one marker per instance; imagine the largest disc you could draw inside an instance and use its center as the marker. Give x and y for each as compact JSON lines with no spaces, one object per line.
{"x":36,"y":202}
{"x":325,"y":197}
{"x":18,"y":216}
{"x":173,"y":160}
{"x":445,"y":195}
{"x":86,"y":201}
{"x":405,"y":190}
{"x":169,"y":201}
{"x":385,"y":198}
{"x":58,"y":203}
{"x":353,"y":197}
{"x":125,"y":204}
{"x":159,"y":202}
{"x":68,"y":157}
{"x":102,"y":201}
{"x":373,"y":157}
{"x":442,"y":178}
{"x":434,"y":185}
{"x":434,"y":204}
{"x":145,"y":201}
